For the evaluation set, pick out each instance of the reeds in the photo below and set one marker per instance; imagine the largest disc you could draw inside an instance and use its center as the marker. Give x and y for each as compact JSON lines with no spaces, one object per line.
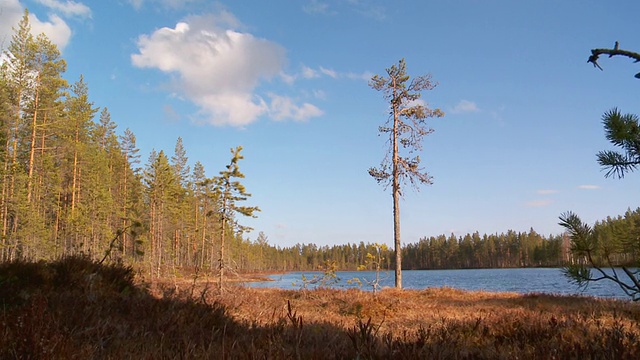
{"x":75,"y":308}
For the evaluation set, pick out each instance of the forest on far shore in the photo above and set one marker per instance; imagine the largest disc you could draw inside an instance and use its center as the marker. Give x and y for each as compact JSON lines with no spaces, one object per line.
{"x":72,"y":183}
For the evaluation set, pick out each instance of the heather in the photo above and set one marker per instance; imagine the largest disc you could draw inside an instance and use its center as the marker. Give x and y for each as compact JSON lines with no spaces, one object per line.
{"x":78,"y":308}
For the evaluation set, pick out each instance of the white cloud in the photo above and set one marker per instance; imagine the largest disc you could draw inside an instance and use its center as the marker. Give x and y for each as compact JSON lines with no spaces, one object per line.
{"x":68,"y":7}
{"x":465,"y":106}
{"x":56,"y":29}
{"x":137,"y":4}
{"x":288,"y":78}
{"x":547,"y":192}
{"x":218,"y":69}
{"x":283,"y":107}
{"x":309,"y":73}
{"x":11,"y":12}
{"x":319,"y":94}
{"x":329,"y":72}
{"x":589,"y":187}
{"x":539,"y":203}
{"x":236,"y":109}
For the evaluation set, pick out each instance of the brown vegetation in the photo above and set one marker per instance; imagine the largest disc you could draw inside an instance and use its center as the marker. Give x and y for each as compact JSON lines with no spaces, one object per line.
{"x":75,"y":308}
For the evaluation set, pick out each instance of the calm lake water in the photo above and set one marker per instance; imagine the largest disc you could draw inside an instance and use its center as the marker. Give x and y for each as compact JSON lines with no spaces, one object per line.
{"x":536,"y":280}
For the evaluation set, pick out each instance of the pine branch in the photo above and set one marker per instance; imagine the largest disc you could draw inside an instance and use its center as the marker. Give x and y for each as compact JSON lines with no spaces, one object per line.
{"x":595,"y":54}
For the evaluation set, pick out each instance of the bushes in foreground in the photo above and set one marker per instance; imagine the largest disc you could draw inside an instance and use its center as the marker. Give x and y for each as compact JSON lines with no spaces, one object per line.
{"x":76,"y":308}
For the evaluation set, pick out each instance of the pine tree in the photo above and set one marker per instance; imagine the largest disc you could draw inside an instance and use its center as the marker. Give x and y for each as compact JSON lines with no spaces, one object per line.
{"x":75,"y":137}
{"x":180,"y":207}
{"x":160,"y":180}
{"x":43,"y":115}
{"x":32,"y":84}
{"x":5,"y":114}
{"x":130,"y":189}
{"x":406,"y":128}
{"x":17,"y":77}
{"x":231,"y":192}
{"x":199,"y":185}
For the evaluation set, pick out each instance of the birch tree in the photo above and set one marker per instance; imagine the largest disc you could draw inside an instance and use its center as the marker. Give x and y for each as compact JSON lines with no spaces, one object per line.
{"x":406,"y":128}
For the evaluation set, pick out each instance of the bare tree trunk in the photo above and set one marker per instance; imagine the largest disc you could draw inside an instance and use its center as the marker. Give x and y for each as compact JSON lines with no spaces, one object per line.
{"x":396,"y":237}
{"x":75,"y":171}
{"x":56,"y":228}
{"x":5,"y":205}
{"x":152,"y":233}
{"x":194,"y":251}
{"x":396,"y":196}
{"x":32,"y":149}
{"x":221,"y":259}
{"x":203,"y":250}
{"x":160,"y":240}
{"x":124,"y":212}
{"x":176,"y":250}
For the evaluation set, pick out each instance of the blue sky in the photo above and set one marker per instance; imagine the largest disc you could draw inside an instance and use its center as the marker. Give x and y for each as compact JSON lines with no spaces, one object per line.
{"x":287,"y":80}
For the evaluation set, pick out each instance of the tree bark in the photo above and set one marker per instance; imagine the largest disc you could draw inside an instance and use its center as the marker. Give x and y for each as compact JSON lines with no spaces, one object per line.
{"x":32,"y":149}
{"x":221,"y":259}
{"x":396,"y":193}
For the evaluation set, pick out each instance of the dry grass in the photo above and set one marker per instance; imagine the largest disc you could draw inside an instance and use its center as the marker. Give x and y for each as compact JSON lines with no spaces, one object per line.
{"x":76,"y":309}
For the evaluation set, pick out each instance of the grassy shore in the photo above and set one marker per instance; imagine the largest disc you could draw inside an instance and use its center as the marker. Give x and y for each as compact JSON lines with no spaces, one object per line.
{"x":75,"y":308}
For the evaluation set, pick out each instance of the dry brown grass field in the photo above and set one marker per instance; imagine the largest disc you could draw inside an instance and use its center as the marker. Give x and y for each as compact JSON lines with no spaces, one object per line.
{"x":77,"y":309}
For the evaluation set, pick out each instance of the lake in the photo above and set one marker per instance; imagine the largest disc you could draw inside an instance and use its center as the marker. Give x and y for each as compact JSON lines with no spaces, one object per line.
{"x":531,"y":280}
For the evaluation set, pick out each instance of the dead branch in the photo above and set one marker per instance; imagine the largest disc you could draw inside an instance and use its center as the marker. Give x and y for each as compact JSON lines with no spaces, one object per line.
{"x":616,"y":51}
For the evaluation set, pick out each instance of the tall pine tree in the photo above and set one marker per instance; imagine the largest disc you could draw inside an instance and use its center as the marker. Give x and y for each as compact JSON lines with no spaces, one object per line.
{"x":406,"y":127}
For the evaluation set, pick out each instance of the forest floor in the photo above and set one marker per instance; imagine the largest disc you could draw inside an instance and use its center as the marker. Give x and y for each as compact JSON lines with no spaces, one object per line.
{"x":75,"y":308}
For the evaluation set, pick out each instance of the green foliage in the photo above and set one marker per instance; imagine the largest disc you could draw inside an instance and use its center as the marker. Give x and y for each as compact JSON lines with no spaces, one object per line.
{"x":374,"y":261}
{"x":606,"y":247}
{"x":623,"y":131}
{"x":595,"y":260}
{"x":578,"y":274}
{"x":229,"y":193}
{"x":504,"y":250}
{"x":328,"y":277}
{"x":406,"y":125}
{"x":232,"y":191}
